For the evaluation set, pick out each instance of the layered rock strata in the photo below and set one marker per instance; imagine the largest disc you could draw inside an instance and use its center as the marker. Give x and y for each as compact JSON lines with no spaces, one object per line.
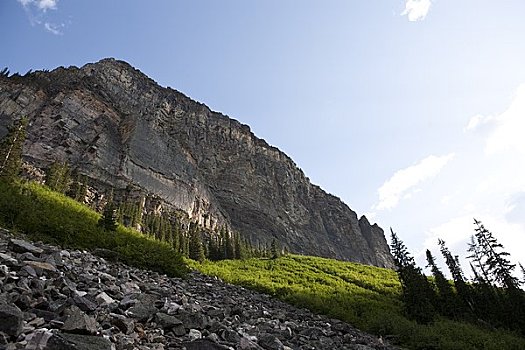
{"x":114,"y":124}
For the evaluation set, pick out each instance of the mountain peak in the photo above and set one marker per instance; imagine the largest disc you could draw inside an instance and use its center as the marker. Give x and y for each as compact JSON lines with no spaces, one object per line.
{"x":112,"y":123}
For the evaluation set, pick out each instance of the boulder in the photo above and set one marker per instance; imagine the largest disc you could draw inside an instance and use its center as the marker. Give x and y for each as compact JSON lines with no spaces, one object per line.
{"x":11,"y":320}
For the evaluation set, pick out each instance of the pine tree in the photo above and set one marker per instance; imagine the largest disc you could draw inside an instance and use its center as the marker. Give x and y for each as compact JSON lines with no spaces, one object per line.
{"x":523,"y":274}
{"x":495,"y":259}
{"x":240,"y":251}
{"x":447,"y":298}
{"x":109,"y":217}
{"x":79,"y":187}
{"x":274,"y":251}
{"x":196,"y":249}
{"x":477,"y":262}
{"x":454,"y":267}
{"x":58,"y":177}
{"x":11,"y":150}
{"x":418,"y":295}
{"x":184,"y":244}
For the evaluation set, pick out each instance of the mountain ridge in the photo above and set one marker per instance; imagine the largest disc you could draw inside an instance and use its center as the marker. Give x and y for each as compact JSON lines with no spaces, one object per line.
{"x":118,"y":126}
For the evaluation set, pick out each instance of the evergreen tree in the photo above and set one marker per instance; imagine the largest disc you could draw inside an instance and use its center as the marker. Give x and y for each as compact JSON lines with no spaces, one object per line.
{"x":226,"y":244}
{"x":274,"y":250}
{"x":238,"y":247}
{"x":109,"y":217}
{"x":418,"y":295}
{"x":478,"y":263}
{"x":11,"y":150}
{"x":523,"y":274}
{"x":495,"y":259}
{"x":79,"y":187}
{"x":176,"y":235}
{"x":58,"y":177}
{"x":196,"y":248}
{"x":184,"y":247}
{"x":447,"y":302}
{"x":454,"y":267}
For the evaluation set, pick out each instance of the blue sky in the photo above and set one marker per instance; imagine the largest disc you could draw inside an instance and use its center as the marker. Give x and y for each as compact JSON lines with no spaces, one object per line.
{"x":410,"y":111}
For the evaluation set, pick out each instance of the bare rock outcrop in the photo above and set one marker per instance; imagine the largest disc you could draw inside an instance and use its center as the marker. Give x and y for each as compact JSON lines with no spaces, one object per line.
{"x":114,"y":124}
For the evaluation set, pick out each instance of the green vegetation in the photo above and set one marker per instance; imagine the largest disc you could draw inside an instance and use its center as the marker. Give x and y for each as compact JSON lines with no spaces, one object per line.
{"x":58,"y":177}
{"x":365,"y":296}
{"x":50,"y":216}
{"x":405,"y":307}
{"x":11,"y":151}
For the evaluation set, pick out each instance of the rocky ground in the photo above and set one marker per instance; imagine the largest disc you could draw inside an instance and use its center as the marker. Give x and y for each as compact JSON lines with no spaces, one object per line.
{"x":58,"y":299}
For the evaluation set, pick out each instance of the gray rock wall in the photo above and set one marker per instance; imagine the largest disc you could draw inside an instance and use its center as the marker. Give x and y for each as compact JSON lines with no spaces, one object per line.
{"x":118,"y":126}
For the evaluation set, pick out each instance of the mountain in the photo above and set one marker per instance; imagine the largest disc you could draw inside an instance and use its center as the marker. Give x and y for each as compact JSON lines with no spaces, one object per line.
{"x":112,"y":123}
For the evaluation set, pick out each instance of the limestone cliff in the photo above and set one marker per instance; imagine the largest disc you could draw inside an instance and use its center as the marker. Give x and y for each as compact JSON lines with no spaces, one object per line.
{"x":113,"y":123}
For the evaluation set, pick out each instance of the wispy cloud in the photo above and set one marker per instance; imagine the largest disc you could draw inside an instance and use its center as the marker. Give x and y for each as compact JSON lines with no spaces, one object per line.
{"x":506,"y":129}
{"x":477,"y":121}
{"x":54,"y":28}
{"x":36,"y":11}
{"x":43,"y":5}
{"x":489,"y":184}
{"x":508,"y":134}
{"x":416,"y":10}
{"x":403,"y":183}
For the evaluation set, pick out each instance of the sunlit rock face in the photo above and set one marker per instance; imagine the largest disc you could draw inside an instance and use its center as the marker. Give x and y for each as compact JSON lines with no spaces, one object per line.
{"x":119,"y":127}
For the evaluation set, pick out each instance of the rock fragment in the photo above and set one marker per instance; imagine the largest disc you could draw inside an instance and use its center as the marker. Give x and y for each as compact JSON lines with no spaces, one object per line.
{"x":11,"y":320}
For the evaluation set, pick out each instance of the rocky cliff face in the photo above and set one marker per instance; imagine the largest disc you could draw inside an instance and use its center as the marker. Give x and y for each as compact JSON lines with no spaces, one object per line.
{"x":114,"y":124}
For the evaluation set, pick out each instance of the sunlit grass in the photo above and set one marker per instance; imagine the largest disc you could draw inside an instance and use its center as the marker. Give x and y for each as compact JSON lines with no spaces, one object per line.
{"x":52,"y":217}
{"x":365,"y":296}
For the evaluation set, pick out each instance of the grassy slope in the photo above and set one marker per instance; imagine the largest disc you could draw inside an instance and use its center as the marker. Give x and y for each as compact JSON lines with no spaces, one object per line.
{"x":49,"y":216}
{"x":365,"y":296}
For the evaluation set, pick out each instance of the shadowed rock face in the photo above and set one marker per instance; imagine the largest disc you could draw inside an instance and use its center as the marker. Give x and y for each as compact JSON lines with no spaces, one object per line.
{"x":116,"y":125}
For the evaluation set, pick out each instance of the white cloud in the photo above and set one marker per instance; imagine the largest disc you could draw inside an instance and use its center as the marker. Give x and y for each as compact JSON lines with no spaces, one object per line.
{"x":456,"y":233}
{"x":416,"y":10}
{"x":486,"y":181}
{"x":402,"y":184}
{"x":42,"y":5}
{"x":477,"y":121}
{"x":508,"y":134}
{"x":53,"y":28}
{"x":36,"y":11}
{"x":45,"y":5}
{"x":25,"y":2}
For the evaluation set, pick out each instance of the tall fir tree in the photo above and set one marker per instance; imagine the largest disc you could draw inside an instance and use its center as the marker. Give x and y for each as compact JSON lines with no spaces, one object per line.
{"x":109,"y":217}
{"x":79,"y":187}
{"x":495,"y":259}
{"x":418,"y":295}
{"x":240,"y":251}
{"x":274,"y":249}
{"x":11,"y":147}
{"x":447,"y":299}
{"x":195,"y":249}
{"x":460,"y":282}
{"x":478,"y":265}
{"x":522,"y":274}
{"x":58,"y":177}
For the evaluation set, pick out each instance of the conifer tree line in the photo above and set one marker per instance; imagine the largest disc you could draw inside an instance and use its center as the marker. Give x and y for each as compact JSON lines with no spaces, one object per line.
{"x":493,"y":297}
{"x":191,"y":240}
